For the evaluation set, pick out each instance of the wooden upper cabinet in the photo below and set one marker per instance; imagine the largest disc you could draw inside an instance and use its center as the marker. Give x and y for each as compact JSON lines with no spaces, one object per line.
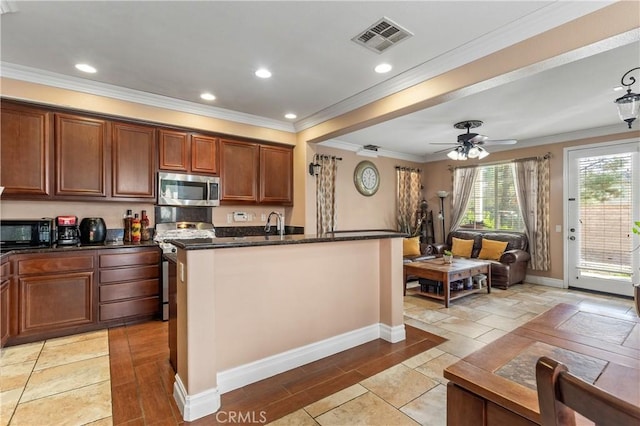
{"x":185,"y":152}
{"x":276,"y":175}
{"x":133,"y":161}
{"x":80,"y":153}
{"x":238,"y":171}
{"x":174,"y":150}
{"x":25,"y":147}
{"x":204,"y":154}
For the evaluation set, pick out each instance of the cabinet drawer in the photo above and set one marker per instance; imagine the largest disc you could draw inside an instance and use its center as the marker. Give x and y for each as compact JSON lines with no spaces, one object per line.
{"x":129,"y":290}
{"x":148,"y":257}
{"x":55,"y":264}
{"x":459,"y":276}
{"x":479,"y":270}
{"x":129,"y":308}
{"x":129,"y":274}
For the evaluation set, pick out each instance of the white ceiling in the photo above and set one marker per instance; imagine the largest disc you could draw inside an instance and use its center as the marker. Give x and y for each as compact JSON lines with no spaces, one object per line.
{"x":171,"y":51}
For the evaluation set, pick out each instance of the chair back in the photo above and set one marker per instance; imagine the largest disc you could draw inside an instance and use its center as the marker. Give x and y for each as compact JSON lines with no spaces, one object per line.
{"x":561,"y":395}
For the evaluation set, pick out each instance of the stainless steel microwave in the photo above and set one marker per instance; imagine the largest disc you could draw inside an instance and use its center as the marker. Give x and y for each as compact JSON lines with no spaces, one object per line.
{"x":176,"y":189}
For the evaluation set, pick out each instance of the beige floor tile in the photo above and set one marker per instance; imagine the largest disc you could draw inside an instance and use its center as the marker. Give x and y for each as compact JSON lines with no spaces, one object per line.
{"x":15,"y":375}
{"x":61,"y":378}
{"x":8,"y":402}
{"x":53,"y":355}
{"x":491,"y":336}
{"x":426,"y":315}
{"x":434,"y":368}
{"x":367,"y":409}
{"x":398,"y":385}
{"x":107,"y":421}
{"x":465,"y":327}
{"x":633,"y":340}
{"x":430,"y":328}
{"x":502,"y":323}
{"x":75,"y":407}
{"x":464,"y":312}
{"x":420,"y":359}
{"x":20,"y":353}
{"x":429,"y":408}
{"x":100,"y":334}
{"x":509,"y":311}
{"x":333,"y":401}
{"x":296,"y":418}
{"x":460,"y":345}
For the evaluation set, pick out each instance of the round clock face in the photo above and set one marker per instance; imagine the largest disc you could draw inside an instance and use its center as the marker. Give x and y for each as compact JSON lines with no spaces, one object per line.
{"x":366,"y":178}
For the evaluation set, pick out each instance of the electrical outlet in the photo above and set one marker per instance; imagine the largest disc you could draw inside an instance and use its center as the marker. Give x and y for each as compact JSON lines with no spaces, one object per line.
{"x":229,"y":217}
{"x":263,"y":217}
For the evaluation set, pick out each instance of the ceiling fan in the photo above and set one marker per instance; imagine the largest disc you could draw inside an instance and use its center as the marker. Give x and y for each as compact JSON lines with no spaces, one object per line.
{"x":470,"y":144}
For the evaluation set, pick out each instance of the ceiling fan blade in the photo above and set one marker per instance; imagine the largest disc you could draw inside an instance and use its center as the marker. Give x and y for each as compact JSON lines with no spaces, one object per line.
{"x":479,"y":139}
{"x":444,"y":143}
{"x":500,"y":142}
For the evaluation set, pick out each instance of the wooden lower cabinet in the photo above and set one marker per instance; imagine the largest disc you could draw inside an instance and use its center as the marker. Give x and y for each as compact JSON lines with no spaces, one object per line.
{"x":130,"y":283}
{"x":5,"y":297}
{"x":465,"y":408}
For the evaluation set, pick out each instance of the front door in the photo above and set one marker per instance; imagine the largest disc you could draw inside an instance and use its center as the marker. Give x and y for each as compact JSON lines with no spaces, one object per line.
{"x":603,"y":201}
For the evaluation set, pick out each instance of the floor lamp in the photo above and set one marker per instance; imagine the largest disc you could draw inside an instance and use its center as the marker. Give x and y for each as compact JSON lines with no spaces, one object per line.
{"x":442,"y":195}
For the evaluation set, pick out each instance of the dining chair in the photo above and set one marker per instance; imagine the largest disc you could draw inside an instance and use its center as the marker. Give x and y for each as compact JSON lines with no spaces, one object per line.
{"x":561,"y":395}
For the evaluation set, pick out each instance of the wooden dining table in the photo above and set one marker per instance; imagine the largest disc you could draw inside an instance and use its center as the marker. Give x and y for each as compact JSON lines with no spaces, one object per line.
{"x":496,"y":385}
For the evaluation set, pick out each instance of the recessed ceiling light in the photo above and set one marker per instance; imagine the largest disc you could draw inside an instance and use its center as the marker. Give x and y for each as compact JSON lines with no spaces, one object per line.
{"x":86,"y":68}
{"x":263,"y":73}
{"x":290,"y":116}
{"x":208,"y":97}
{"x":383,"y":68}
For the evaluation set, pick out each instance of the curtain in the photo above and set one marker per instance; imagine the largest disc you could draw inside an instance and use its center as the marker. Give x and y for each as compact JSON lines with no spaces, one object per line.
{"x":463,"y":180}
{"x":408,"y":186}
{"x":532,"y":190}
{"x":326,"y":194}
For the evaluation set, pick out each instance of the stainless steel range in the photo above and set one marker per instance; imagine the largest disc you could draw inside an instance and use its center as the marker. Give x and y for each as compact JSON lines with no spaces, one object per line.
{"x":177,"y":231}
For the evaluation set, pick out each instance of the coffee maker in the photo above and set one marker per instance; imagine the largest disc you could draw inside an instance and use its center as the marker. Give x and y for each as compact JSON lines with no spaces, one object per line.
{"x":67,"y":231}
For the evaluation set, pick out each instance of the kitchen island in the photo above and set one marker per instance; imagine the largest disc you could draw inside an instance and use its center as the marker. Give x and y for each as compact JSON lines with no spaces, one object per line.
{"x":249,"y":308}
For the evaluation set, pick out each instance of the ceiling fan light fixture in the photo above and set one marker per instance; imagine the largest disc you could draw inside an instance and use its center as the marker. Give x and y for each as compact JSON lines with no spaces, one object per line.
{"x":629,"y":104}
{"x":483,"y":153}
{"x":474,"y":152}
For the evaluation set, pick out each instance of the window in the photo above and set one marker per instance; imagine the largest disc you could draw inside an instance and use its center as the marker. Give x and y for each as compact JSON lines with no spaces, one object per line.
{"x":493,"y":203}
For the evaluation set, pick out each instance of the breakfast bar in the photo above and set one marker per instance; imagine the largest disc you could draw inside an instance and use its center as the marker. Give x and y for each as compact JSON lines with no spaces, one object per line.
{"x":249,"y":308}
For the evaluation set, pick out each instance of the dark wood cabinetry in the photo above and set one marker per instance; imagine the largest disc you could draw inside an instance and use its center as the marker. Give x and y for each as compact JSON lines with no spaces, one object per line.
{"x":5,"y":313}
{"x":55,"y":292}
{"x":276,"y":175}
{"x":187,"y":152}
{"x":80,"y":156}
{"x":239,"y":171}
{"x":133,"y":161}
{"x":255,"y":173}
{"x":129,"y":283}
{"x":25,"y":147}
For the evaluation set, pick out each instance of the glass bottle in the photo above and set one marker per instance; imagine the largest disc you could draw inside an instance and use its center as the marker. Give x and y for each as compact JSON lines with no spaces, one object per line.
{"x":135,"y":229}
{"x":128,"y":219}
{"x":144,"y":227}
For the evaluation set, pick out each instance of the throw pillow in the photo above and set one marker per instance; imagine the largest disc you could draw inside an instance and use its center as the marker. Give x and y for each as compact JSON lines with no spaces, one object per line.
{"x":461,"y":248}
{"x":491,"y":249}
{"x":411,"y":246}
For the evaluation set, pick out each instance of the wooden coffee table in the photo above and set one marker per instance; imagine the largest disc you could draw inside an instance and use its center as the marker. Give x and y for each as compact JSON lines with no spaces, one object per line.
{"x":437,"y":270}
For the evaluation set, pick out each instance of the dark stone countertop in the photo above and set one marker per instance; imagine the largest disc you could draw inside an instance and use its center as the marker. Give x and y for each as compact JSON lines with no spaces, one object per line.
{"x":254,"y":241}
{"x":62,"y":249}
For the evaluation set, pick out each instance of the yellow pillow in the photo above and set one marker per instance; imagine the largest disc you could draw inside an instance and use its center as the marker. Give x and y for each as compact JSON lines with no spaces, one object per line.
{"x":460,"y":247}
{"x":491,"y":249}
{"x":411,"y":246}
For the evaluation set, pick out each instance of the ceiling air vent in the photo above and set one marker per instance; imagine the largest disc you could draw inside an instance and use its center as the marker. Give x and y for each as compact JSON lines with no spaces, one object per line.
{"x":382,"y":35}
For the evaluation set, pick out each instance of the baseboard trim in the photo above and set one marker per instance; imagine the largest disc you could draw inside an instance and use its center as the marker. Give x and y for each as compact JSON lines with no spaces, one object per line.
{"x":193,"y":407}
{"x":550,"y":282}
{"x":243,"y":375}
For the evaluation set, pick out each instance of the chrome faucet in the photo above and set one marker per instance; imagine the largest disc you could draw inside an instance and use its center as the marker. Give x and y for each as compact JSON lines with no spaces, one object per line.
{"x":279,"y":223}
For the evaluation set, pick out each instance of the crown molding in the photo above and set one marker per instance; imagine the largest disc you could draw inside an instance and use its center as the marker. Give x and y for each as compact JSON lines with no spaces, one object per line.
{"x":355,"y":148}
{"x":537,"y":22}
{"x":34,"y":75}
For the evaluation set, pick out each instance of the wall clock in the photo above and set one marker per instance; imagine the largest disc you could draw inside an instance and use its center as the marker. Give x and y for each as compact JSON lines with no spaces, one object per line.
{"x":366,"y":178}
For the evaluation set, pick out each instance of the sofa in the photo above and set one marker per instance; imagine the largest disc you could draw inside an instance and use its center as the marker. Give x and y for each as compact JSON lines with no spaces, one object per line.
{"x":419,"y":251}
{"x":511,"y":268}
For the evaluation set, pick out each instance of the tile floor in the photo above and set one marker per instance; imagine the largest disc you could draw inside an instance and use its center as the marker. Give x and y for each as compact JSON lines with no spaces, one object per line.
{"x":67,"y":380}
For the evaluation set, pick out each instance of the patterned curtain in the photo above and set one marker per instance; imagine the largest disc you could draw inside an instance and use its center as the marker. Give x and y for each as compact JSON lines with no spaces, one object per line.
{"x":532,"y":189}
{"x":326,"y":193}
{"x":408,"y":186}
{"x":463,"y":180}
